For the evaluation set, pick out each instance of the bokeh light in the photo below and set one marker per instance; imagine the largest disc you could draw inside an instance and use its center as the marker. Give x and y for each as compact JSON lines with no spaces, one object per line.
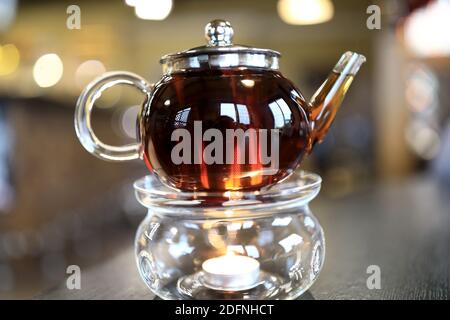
{"x":305,"y":11}
{"x":426,"y":31}
{"x":131,"y":3}
{"x":8,"y":11}
{"x":48,"y":70}
{"x":87,"y":71}
{"x":152,"y":9}
{"x":128,"y":121}
{"x":421,"y":89}
{"x":423,"y":139}
{"x":9,"y":59}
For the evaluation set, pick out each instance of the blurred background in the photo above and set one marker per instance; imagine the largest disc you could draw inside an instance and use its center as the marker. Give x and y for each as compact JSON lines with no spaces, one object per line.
{"x":59,"y":205}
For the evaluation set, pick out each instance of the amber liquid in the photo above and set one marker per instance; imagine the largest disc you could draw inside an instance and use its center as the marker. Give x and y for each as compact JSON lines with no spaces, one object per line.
{"x":326,"y":103}
{"x":224,"y":99}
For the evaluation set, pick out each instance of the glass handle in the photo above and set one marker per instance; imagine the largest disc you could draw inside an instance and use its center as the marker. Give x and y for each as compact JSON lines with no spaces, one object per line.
{"x":83,"y":111}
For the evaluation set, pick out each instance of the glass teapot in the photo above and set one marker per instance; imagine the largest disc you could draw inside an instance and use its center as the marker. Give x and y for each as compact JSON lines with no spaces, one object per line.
{"x":222,"y":117}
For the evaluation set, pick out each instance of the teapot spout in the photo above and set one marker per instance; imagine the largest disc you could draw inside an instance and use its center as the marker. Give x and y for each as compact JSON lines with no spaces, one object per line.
{"x":328,"y":98}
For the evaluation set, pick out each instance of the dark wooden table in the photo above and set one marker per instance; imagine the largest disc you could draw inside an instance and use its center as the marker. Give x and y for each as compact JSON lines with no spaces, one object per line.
{"x":404,"y":228}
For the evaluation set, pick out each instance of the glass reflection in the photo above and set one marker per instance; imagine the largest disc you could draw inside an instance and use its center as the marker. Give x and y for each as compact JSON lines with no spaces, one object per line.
{"x":290,"y":242}
{"x":238,"y":112}
{"x":181,"y":117}
{"x":280,"y":112}
{"x":228,"y":110}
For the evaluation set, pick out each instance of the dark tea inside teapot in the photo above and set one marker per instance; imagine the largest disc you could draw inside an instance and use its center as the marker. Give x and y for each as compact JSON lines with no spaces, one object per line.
{"x":222,"y":117}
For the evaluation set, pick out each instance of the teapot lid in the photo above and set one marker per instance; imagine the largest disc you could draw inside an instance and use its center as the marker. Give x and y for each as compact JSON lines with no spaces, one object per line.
{"x":219,"y":52}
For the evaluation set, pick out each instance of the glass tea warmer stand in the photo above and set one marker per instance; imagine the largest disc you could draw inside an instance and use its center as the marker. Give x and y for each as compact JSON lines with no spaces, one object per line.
{"x":219,"y":229}
{"x":263,"y":244}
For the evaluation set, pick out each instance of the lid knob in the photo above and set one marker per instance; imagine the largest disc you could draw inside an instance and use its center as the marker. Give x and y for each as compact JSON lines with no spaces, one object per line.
{"x":219,"y":33}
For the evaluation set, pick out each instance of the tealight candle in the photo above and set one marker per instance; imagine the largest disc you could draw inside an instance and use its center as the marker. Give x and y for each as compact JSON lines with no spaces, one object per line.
{"x":231,"y":273}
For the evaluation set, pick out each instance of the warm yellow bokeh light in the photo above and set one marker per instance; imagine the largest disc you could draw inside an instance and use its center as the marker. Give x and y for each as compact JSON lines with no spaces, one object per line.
{"x":48,"y":70}
{"x":131,"y":3}
{"x":9,"y":59}
{"x":152,"y":9}
{"x":305,"y":11}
